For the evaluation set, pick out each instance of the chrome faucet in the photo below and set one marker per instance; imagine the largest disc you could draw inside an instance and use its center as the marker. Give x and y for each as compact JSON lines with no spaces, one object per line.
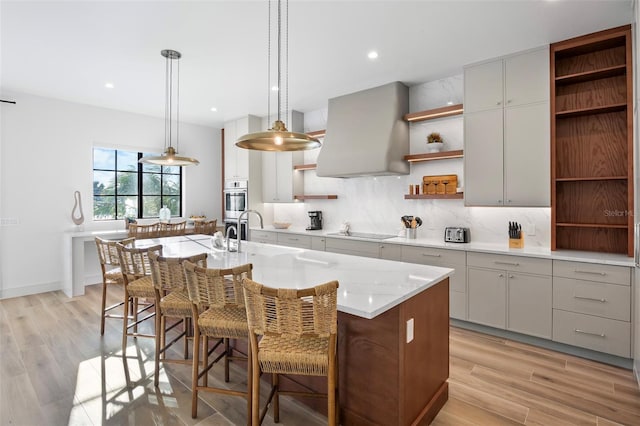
{"x":229,"y":229}
{"x":246,"y":212}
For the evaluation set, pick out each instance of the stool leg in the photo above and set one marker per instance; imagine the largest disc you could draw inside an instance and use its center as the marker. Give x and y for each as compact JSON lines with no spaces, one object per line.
{"x":104,"y":305}
{"x":249,"y":385}
{"x":194,"y":372}
{"x":205,"y":359}
{"x":276,"y":397}
{"x":255,"y":383}
{"x":125,"y":321}
{"x":159,"y":345}
{"x":226,"y":359}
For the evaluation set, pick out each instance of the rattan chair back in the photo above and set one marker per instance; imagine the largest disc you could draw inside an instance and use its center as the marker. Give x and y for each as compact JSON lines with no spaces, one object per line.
{"x":216,"y":288}
{"x":108,"y":252}
{"x":167,"y":273}
{"x":173,"y":229}
{"x":205,"y":227}
{"x":305,"y":312}
{"x":134,"y":262}
{"x":140,"y":232}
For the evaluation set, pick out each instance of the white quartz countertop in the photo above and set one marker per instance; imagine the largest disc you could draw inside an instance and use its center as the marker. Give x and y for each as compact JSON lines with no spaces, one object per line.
{"x":540,"y":252}
{"x":367,"y":287}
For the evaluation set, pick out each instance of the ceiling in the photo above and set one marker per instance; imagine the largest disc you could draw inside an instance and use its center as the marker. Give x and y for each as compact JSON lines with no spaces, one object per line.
{"x":69,"y":50}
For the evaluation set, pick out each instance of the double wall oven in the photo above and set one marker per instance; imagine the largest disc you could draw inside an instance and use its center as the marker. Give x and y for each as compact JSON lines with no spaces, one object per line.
{"x":235,"y":202}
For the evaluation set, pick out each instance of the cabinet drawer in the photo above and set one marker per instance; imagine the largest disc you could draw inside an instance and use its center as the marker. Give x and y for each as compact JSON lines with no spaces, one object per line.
{"x":530,"y":265}
{"x":294,"y":240}
{"x":263,"y":236}
{"x":433,"y":256}
{"x":587,"y":331}
{"x":317,"y":243}
{"x":354,"y":247}
{"x":592,"y":272}
{"x":588,"y":297}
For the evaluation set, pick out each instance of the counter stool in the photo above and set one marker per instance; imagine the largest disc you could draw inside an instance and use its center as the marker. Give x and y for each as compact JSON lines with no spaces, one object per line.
{"x":299,"y":336}
{"x":173,"y":229}
{"x":136,"y":271}
{"x":111,"y":273}
{"x":172,"y":301}
{"x":205,"y":227}
{"x":225,"y":318}
{"x":140,"y":232}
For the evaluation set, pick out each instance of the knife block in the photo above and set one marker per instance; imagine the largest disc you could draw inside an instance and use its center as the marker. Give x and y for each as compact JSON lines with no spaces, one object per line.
{"x":517,"y":242}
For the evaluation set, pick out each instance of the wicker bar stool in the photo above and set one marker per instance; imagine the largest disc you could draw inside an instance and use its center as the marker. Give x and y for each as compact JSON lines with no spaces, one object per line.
{"x":221,"y":291}
{"x":136,"y":271}
{"x":111,"y":273}
{"x":299,"y":336}
{"x":141,"y":232}
{"x":173,"y":229}
{"x":205,"y":227}
{"x":172,"y":301}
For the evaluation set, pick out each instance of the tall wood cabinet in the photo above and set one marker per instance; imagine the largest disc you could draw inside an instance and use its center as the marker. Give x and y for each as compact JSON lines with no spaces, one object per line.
{"x":592,"y":142}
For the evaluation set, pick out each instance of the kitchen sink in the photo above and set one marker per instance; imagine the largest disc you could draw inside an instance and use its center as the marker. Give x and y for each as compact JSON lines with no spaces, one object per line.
{"x":363,"y":235}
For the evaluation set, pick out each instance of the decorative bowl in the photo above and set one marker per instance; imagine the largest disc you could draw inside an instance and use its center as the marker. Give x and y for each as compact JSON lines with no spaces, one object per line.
{"x":281,"y":225}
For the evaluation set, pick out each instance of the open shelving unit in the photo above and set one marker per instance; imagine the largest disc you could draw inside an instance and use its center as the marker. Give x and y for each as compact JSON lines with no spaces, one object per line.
{"x":315,"y":197}
{"x":592,"y":143}
{"x":443,"y":155}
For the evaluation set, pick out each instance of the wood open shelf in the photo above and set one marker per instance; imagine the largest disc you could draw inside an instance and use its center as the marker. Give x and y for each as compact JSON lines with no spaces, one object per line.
{"x":432,"y":114}
{"x":458,"y":153}
{"x":315,"y":197}
{"x":317,"y":133}
{"x":592,"y":143}
{"x":305,"y":167}
{"x":457,"y":196}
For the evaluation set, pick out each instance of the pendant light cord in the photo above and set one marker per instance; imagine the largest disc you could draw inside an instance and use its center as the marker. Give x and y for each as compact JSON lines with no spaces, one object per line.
{"x":167,"y":107}
{"x":177,"y":106}
{"x":286,"y":57}
{"x":279,"y":57}
{"x":269,"y":66}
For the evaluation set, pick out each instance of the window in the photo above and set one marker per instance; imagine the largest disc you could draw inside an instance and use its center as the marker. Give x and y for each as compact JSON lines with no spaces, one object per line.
{"x":122,"y":187}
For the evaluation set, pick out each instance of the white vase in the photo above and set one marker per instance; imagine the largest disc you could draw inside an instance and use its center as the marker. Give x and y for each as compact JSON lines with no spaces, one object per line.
{"x":435,"y":147}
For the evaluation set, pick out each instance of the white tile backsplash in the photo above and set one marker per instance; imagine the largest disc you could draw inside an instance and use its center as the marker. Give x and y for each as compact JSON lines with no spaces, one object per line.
{"x":376,"y":204}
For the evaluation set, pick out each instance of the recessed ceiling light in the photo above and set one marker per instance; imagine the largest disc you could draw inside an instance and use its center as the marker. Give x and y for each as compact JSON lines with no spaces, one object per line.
{"x":214,"y":109}
{"x":274,"y":88}
{"x":450,"y":103}
{"x":372,"y":55}
{"x":109,"y":85}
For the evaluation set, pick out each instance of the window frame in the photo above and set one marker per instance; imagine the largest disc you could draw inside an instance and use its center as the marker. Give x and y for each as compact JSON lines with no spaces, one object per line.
{"x":140,"y":173}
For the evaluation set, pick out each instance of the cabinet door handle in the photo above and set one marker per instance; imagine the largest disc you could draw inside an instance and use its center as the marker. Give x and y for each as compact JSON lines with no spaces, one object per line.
{"x":509,"y":101}
{"x":293,"y":239}
{"x":509,"y":201}
{"x":500,"y":275}
{"x":578,"y":271}
{"x":431,"y":255}
{"x":498,"y":103}
{"x":497,"y":262}
{"x":590,"y":298}
{"x":577,"y":330}
{"x":510,"y":276}
{"x":499,"y":201}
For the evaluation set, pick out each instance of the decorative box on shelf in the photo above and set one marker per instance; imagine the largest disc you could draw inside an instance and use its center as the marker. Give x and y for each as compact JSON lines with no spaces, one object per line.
{"x":440,"y":184}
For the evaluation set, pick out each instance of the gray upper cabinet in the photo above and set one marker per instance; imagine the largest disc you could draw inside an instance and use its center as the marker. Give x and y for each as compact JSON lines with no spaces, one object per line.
{"x":239,"y":163}
{"x":506,"y":131}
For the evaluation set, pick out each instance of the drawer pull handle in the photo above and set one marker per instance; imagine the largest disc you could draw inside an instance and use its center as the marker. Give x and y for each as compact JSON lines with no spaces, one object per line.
{"x":578,"y":271}
{"x":577,"y":330}
{"x":431,"y":255}
{"x":506,"y":263}
{"x":293,"y":239}
{"x":590,"y":298}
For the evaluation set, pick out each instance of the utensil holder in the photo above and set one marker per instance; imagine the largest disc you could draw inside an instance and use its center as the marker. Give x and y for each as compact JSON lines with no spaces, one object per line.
{"x":516,"y":242}
{"x":412,"y":233}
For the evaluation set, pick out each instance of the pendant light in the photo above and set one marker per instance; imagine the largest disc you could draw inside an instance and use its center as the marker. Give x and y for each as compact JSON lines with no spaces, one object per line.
{"x":170,"y":156}
{"x":278,"y":138}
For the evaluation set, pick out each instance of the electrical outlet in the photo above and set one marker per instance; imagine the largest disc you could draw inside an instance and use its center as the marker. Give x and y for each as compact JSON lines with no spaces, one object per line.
{"x":410,"y":330}
{"x":531,"y":229}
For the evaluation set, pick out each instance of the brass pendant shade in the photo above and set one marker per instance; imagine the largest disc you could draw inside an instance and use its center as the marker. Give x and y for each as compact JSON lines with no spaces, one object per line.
{"x":170,"y":155}
{"x":278,"y":138}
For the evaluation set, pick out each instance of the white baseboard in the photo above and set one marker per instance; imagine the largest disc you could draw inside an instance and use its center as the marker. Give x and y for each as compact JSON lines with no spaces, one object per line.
{"x":7,"y":293}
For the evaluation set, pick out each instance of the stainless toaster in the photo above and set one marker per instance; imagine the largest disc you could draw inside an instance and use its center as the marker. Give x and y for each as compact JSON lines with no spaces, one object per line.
{"x":456,"y":235}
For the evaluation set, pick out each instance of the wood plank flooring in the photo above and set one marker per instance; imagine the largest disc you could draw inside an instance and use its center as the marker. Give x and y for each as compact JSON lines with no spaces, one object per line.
{"x":56,"y":369}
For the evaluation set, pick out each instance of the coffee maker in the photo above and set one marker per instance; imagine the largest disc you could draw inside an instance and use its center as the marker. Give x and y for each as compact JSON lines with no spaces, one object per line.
{"x":316,"y":220}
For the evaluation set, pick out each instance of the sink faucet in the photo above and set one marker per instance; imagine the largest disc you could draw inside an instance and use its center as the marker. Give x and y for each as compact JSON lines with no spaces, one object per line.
{"x":229,"y":229}
{"x":246,"y":212}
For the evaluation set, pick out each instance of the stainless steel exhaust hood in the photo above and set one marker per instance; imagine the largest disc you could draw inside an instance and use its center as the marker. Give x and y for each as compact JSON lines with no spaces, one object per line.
{"x":366,"y":134}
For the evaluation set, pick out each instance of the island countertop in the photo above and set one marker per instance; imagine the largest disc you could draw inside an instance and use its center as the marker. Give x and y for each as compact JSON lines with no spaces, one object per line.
{"x":368,"y":287}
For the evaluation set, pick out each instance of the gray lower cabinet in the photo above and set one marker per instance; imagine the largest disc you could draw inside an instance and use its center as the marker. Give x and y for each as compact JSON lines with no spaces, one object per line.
{"x":390,"y":252}
{"x":317,"y":243}
{"x":592,"y":306}
{"x":261,"y":236}
{"x":294,"y":240}
{"x":510,"y":292}
{"x":454,"y":259}
{"x":353,"y":247}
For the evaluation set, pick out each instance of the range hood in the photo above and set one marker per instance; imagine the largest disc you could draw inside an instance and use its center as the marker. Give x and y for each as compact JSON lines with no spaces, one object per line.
{"x":366,"y":134}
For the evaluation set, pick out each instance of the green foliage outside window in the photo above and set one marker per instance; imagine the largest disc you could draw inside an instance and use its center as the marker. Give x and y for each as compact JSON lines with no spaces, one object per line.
{"x":122,"y":187}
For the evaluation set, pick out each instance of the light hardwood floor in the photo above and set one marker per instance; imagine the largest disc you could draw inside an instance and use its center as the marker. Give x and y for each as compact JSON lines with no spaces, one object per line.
{"x":56,"y":369}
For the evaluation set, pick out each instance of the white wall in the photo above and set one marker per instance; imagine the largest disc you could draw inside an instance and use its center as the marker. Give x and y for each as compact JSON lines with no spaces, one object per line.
{"x":376,"y":204}
{"x":46,"y":154}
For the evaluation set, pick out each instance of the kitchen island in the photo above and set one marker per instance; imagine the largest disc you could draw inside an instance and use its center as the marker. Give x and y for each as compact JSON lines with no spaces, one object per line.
{"x":393,"y":325}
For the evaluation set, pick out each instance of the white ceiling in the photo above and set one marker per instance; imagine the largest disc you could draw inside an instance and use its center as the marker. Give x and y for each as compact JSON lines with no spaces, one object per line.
{"x":69,"y":50}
